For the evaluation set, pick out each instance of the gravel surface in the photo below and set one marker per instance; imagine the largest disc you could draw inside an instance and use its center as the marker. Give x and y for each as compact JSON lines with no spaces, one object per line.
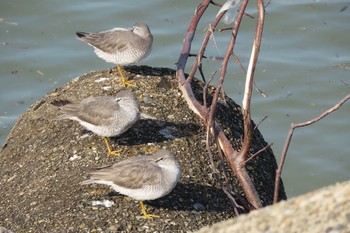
{"x":41,"y":161}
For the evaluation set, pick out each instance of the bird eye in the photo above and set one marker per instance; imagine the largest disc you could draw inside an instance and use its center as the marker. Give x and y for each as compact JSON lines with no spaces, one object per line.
{"x":160,"y":159}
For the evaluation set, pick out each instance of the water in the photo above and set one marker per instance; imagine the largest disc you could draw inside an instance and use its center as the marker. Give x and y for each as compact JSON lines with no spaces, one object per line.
{"x":303,"y":42}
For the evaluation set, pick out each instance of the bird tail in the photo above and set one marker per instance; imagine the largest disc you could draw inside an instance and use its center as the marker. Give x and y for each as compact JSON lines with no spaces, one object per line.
{"x":90,"y":181}
{"x":59,"y":103}
{"x":81,"y":34}
{"x":100,"y":175}
{"x":62,"y":117}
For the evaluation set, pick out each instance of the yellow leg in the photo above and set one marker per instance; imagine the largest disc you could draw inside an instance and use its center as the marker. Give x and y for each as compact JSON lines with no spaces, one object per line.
{"x":125,"y":82}
{"x":150,"y":216}
{"x":110,"y":152}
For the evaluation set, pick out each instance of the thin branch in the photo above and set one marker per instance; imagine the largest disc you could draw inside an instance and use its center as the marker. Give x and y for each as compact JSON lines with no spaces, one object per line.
{"x":185,"y":86}
{"x":214,"y":169}
{"x":216,"y":173}
{"x":201,"y":72}
{"x":249,"y":15}
{"x":249,"y":81}
{"x":224,"y":29}
{"x":268,"y":3}
{"x":258,"y":152}
{"x":205,"y":90}
{"x":289,"y":138}
{"x":240,"y":172}
{"x":261,"y":121}
{"x":216,"y":4}
{"x":200,"y":55}
{"x":238,"y":61}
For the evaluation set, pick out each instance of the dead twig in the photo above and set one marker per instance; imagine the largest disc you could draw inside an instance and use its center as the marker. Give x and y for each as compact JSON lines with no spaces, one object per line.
{"x":234,"y":158}
{"x":261,"y":121}
{"x":258,"y":152}
{"x":289,"y":138}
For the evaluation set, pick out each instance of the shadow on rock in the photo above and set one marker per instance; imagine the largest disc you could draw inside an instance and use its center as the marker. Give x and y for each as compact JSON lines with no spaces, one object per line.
{"x":155,"y":131}
{"x":191,"y":197}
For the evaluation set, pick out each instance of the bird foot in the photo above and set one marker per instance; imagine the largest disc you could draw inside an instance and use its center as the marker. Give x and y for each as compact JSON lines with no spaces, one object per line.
{"x":128,"y":83}
{"x":144,"y":212}
{"x":110,"y":151}
{"x":149,"y":216}
{"x":113,"y":153}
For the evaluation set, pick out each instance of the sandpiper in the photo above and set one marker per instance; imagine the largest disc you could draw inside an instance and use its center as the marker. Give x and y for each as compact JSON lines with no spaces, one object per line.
{"x":121,"y":46}
{"x":141,"y":177}
{"x":106,"y":116}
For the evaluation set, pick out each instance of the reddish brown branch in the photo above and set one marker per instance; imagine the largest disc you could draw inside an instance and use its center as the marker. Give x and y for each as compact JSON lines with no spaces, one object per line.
{"x":216,"y":173}
{"x":258,"y":152}
{"x":186,"y":89}
{"x":261,"y":121}
{"x":250,"y":80}
{"x":289,"y":138}
{"x":204,"y":45}
{"x":236,"y":163}
{"x":238,"y":61}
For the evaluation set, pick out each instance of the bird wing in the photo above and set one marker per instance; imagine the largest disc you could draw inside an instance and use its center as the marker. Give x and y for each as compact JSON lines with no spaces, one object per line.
{"x":98,"y":110}
{"x":68,"y":109}
{"x":132,"y":173}
{"x":111,"y":41}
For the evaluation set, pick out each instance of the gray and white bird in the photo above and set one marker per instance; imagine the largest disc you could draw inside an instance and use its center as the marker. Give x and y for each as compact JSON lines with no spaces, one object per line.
{"x":141,"y":177}
{"x":121,"y":46}
{"x":106,"y":116}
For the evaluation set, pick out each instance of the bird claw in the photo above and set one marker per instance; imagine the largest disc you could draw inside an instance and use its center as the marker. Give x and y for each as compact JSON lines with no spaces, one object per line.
{"x":114,"y":153}
{"x":150,"y":216}
{"x":144,"y":212}
{"x":128,"y":83}
{"x":110,"y":151}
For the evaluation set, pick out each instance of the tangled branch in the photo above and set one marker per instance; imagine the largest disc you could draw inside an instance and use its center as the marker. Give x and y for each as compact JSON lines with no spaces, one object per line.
{"x":236,"y":160}
{"x":215,"y":136}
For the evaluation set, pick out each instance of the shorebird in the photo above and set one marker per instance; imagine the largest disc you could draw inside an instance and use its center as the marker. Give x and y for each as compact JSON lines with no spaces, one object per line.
{"x":106,"y":116}
{"x":121,"y":46}
{"x":141,"y":177}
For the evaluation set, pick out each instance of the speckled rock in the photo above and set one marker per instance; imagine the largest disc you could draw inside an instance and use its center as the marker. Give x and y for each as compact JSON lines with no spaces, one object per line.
{"x":324,"y":210}
{"x":41,"y":160}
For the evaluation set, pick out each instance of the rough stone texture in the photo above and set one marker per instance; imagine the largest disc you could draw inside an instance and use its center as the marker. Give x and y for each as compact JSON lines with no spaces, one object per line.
{"x":41,"y":160}
{"x":324,"y":210}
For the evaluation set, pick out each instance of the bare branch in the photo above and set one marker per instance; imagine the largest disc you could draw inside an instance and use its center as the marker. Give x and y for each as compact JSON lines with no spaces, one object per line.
{"x":258,"y":152}
{"x":217,"y":177}
{"x":216,"y":4}
{"x":238,"y":61}
{"x":261,"y":121}
{"x":204,"y":45}
{"x":249,"y":81}
{"x":289,"y":138}
{"x":209,"y":126}
{"x":205,"y":90}
{"x":201,"y":72}
{"x":236,"y":164}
